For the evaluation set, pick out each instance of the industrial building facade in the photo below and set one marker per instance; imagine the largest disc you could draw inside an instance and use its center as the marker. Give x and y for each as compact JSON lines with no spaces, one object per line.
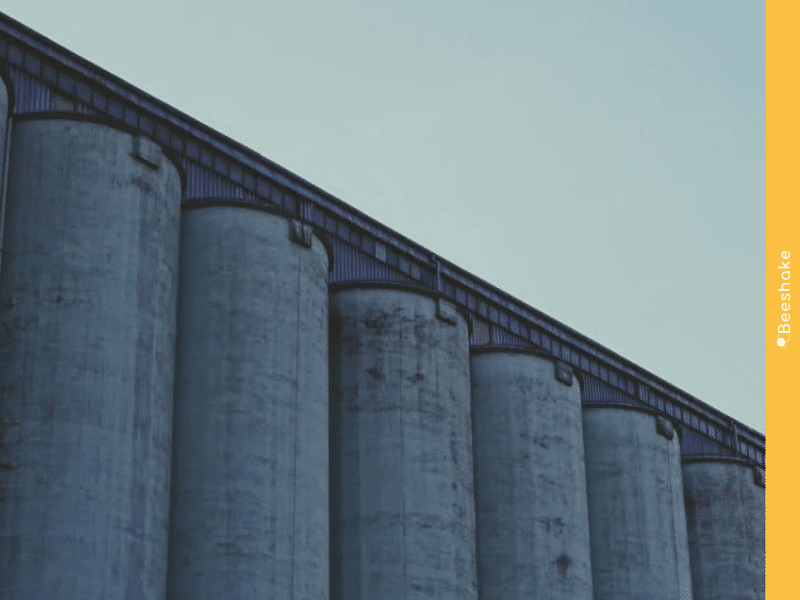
{"x":218,"y":381}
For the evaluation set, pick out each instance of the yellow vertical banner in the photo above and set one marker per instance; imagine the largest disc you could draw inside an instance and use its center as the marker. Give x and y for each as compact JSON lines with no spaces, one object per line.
{"x":782,"y":297}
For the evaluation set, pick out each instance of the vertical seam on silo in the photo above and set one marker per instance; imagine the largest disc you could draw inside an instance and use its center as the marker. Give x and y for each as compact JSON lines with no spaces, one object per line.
{"x":154,"y":400}
{"x":672,"y":520}
{"x":4,"y":186}
{"x":296,"y":415}
{"x":437,"y":327}
{"x":402,"y":458}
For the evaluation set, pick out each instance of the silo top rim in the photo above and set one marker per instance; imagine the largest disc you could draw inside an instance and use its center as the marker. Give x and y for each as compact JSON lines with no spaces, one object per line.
{"x":387,"y":285}
{"x":484,"y":349}
{"x":635,"y":407}
{"x":411,"y":288}
{"x":268,"y":208}
{"x":111,"y":123}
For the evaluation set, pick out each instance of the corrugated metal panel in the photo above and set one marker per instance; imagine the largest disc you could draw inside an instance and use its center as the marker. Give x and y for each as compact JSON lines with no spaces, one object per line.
{"x":650,"y":398}
{"x":31,"y":94}
{"x":85,"y":109}
{"x":202,"y":183}
{"x":480,"y":333}
{"x":596,"y":390}
{"x":350,"y":264}
{"x":751,"y":451}
{"x":506,"y":338}
{"x":696,"y":444}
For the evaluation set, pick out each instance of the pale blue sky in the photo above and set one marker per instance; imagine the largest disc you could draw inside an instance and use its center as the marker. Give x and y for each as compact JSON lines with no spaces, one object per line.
{"x":601,"y":161}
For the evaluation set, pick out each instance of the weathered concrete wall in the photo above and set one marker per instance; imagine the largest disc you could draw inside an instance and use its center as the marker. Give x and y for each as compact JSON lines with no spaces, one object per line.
{"x":87,"y":314}
{"x":725,"y":515}
{"x":530,"y":479}
{"x":637,"y":522}
{"x":249,"y":510}
{"x":402,"y":508}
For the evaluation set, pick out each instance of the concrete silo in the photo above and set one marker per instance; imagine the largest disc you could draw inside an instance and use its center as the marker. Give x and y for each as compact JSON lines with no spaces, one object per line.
{"x":530,"y":478}
{"x":637,"y":523}
{"x":249,"y":505}
{"x":87,"y":311}
{"x":402,"y":507}
{"x":725,"y":518}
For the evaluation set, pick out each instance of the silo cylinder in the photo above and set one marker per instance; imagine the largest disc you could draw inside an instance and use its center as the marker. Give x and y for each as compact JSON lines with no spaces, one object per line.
{"x":725,"y":506}
{"x":87,"y":314}
{"x":249,"y":505}
{"x":530,"y":478}
{"x":637,"y":523}
{"x":402,"y":508}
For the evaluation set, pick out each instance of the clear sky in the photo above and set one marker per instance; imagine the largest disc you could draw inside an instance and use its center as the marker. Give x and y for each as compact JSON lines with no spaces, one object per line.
{"x":601,"y":161}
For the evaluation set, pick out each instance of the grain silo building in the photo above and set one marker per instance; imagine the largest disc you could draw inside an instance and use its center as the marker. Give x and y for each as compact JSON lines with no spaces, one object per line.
{"x":219,"y":381}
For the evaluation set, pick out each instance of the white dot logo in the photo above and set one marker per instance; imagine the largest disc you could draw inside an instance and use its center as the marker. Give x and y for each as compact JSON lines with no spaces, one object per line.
{"x":782,"y":342}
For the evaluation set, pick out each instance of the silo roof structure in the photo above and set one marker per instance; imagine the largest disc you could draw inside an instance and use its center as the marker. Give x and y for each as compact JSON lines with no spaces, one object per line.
{"x":44,"y":76}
